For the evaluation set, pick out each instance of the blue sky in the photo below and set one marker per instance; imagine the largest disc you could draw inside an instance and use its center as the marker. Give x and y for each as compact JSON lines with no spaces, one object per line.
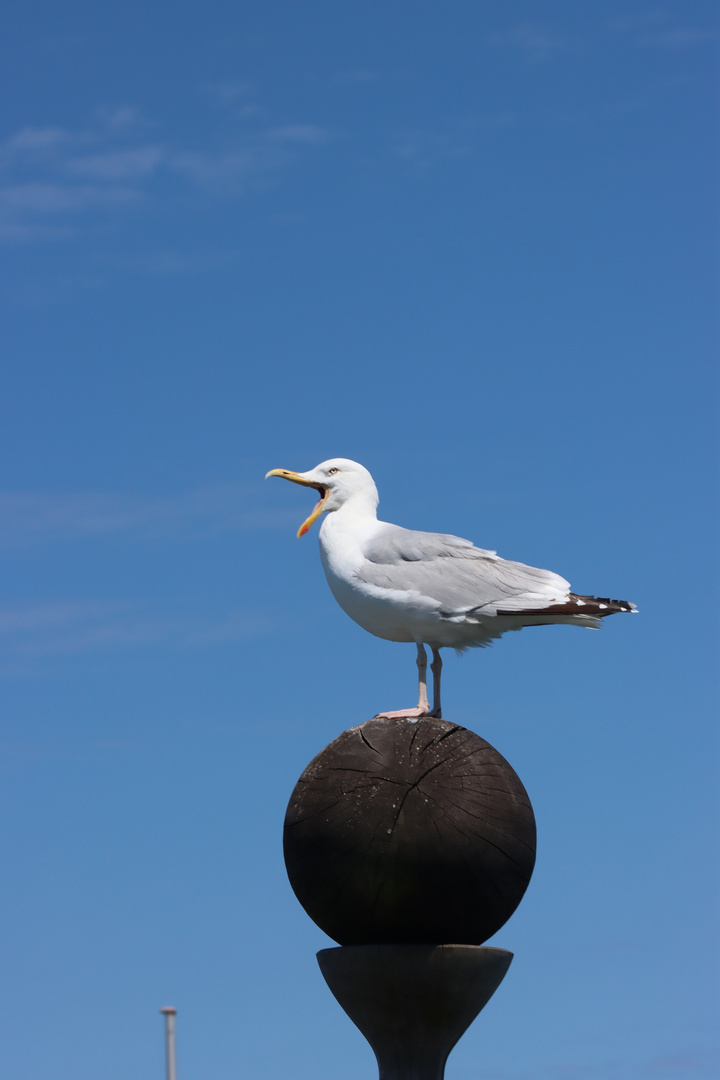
{"x":471,"y":246}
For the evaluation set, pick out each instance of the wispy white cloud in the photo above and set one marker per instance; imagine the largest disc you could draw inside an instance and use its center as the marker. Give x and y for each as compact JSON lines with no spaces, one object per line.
{"x":422,"y":146}
{"x":174,"y":263}
{"x":230,"y":172}
{"x":38,"y":618}
{"x":677,"y":1066}
{"x":37,"y":211}
{"x":540,"y":42}
{"x":536,"y":41}
{"x":56,"y":198}
{"x":22,"y":232}
{"x":226,"y":173}
{"x":130,"y":164}
{"x":657,"y":27}
{"x":630,"y":22}
{"x":66,"y":627}
{"x":229,"y":92}
{"x":54,"y":181}
{"x":458,"y":140}
{"x":38,"y":630}
{"x":37,"y":140}
{"x":236,"y":100}
{"x":309,"y":134}
{"x":123,"y":118}
{"x":680,"y":37}
{"x":33,"y":517}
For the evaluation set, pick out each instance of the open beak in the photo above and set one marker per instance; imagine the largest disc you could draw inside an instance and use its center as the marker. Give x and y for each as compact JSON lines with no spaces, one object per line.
{"x":296,"y":478}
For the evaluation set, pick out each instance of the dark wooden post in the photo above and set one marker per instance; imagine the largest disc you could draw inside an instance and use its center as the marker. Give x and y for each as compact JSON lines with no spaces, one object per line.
{"x":413,"y":1002}
{"x":410,"y":842}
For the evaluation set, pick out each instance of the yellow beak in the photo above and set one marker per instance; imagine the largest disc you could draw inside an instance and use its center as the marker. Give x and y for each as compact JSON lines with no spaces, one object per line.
{"x":296,"y":478}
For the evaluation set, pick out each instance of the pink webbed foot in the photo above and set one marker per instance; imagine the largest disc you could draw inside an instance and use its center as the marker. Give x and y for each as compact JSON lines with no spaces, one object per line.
{"x":407,"y":714}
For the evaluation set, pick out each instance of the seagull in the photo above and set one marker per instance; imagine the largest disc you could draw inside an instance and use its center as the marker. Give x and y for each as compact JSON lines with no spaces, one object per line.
{"x":429,"y":588}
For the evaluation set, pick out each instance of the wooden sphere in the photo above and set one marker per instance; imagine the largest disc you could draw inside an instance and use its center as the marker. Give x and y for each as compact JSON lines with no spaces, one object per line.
{"x":409,"y":832}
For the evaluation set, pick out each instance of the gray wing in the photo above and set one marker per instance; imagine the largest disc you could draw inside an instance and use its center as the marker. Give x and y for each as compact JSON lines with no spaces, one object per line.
{"x":456,"y":574}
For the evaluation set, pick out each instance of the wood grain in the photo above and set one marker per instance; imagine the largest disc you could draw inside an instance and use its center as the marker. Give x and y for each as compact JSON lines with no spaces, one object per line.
{"x":409,"y":832}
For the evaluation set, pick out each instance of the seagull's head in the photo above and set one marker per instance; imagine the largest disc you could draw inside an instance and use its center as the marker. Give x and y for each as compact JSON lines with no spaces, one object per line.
{"x":338,"y":480}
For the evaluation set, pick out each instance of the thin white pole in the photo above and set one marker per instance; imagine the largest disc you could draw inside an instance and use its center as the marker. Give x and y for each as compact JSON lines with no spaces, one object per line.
{"x":169,"y":1013}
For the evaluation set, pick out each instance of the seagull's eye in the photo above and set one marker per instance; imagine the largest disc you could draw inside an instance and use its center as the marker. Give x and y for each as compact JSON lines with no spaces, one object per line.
{"x":331,"y":472}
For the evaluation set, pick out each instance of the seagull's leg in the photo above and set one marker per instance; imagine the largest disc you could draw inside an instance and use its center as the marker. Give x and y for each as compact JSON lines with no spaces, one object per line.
{"x":423,"y":705}
{"x":423,"y":702}
{"x":436,"y":668}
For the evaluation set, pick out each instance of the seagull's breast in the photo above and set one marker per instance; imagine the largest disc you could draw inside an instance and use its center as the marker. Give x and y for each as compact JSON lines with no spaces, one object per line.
{"x":394,"y":614}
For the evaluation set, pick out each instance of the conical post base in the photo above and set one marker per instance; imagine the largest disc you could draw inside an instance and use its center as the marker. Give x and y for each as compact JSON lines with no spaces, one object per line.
{"x":413,"y":1002}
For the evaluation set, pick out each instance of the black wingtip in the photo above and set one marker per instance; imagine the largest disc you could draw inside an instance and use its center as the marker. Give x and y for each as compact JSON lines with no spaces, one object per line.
{"x":597,"y":607}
